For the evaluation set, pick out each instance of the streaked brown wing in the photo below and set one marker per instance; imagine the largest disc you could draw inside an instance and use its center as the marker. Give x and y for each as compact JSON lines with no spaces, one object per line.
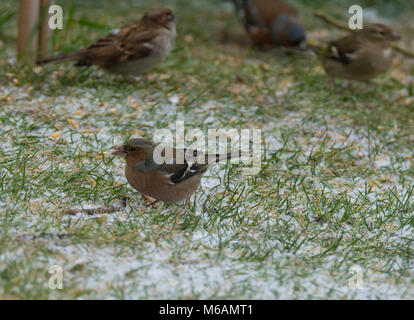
{"x":343,"y":49}
{"x":131,"y":42}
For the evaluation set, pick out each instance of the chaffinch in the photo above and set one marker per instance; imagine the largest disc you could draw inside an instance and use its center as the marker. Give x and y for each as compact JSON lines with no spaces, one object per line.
{"x":130,"y":51}
{"x":362,"y":55}
{"x":271,"y":22}
{"x":171,"y":181}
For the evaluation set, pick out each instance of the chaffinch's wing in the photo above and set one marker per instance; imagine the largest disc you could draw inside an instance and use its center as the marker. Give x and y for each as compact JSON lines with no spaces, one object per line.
{"x":182,"y":164}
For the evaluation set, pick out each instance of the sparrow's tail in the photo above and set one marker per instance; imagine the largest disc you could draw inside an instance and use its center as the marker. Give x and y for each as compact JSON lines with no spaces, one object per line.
{"x":73,"y":56}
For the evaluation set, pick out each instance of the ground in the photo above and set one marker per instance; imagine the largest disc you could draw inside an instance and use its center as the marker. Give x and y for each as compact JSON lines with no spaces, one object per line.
{"x":329,"y":216}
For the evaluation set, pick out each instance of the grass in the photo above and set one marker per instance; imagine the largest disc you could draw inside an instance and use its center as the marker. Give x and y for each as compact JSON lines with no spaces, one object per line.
{"x":335,"y":190}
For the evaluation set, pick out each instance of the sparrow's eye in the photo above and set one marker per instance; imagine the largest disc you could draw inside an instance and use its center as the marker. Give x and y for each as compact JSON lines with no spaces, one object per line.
{"x":382,"y":33}
{"x":170,"y":17}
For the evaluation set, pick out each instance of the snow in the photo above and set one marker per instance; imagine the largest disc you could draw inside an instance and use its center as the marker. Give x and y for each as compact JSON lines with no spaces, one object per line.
{"x":155,"y":275}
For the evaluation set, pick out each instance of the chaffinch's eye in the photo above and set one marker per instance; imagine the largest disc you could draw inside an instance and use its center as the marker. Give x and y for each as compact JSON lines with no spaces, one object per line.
{"x":170,"y":17}
{"x":382,"y":33}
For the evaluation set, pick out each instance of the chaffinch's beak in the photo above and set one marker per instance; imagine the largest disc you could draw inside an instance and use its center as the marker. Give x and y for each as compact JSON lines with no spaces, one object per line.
{"x":119,"y":150}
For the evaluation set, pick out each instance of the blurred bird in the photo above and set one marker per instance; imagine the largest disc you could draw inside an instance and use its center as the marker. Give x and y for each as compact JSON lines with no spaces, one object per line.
{"x":271,"y":22}
{"x":362,"y":55}
{"x":178,"y":176}
{"x":131,"y":50}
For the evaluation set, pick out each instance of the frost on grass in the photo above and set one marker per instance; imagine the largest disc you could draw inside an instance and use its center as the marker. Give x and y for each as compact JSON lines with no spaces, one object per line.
{"x":326,"y":192}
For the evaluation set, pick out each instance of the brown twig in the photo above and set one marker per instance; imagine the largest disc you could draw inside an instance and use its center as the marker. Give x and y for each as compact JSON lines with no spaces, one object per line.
{"x":341,"y":26}
{"x":330,"y":20}
{"x":94,"y":211}
{"x":404,"y":51}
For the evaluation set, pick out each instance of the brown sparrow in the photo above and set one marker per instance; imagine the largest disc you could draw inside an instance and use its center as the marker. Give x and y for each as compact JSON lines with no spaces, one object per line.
{"x":130,"y":51}
{"x":362,"y":55}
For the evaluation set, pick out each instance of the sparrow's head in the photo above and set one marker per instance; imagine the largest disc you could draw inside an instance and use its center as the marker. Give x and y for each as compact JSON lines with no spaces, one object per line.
{"x":162,"y":16}
{"x":379,"y":33}
{"x":137,"y":149}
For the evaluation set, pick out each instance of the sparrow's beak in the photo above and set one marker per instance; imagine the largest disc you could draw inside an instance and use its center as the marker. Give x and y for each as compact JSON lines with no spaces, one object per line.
{"x":119,"y":150}
{"x":395,"y":36}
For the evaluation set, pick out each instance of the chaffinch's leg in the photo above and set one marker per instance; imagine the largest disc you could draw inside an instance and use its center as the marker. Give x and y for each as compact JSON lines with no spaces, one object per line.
{"x":151,"y":201}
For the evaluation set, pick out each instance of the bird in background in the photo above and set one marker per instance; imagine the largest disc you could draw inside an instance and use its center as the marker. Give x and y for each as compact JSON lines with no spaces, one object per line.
{"x":131,"y":50}
{"x":178,"y":176}
{"x":361,"y":55}
{"x":271,"y":22}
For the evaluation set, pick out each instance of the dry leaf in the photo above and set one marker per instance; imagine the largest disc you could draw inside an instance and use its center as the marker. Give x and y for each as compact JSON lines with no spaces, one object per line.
{"x":238,"y":88}
{"x":183,"y":101}
{"x":73,"y":123}
{"x":133,"y":104}
{"x":55,"y":135}
{"x":373,"y":184}
{"x":164,"y":77}
{"x":319,"y":134}
{"x":285,"y":84}
{"x":188,"y":38}
{"x":318,"y":69}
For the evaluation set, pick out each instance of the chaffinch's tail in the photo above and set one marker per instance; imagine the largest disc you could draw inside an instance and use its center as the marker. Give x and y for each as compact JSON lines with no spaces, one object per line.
{"x":198,"y":164}
{"x":216,"y":158}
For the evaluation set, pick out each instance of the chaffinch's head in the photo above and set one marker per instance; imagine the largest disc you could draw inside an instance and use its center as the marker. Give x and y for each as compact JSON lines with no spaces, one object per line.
{"x":134,"y":150}
{"x":379,"y":33}
{"x":286,"y":30}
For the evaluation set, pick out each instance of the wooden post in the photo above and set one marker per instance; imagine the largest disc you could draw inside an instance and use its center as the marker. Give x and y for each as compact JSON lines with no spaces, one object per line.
{"x":27,"y":40}
{"x":44,"y":31}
